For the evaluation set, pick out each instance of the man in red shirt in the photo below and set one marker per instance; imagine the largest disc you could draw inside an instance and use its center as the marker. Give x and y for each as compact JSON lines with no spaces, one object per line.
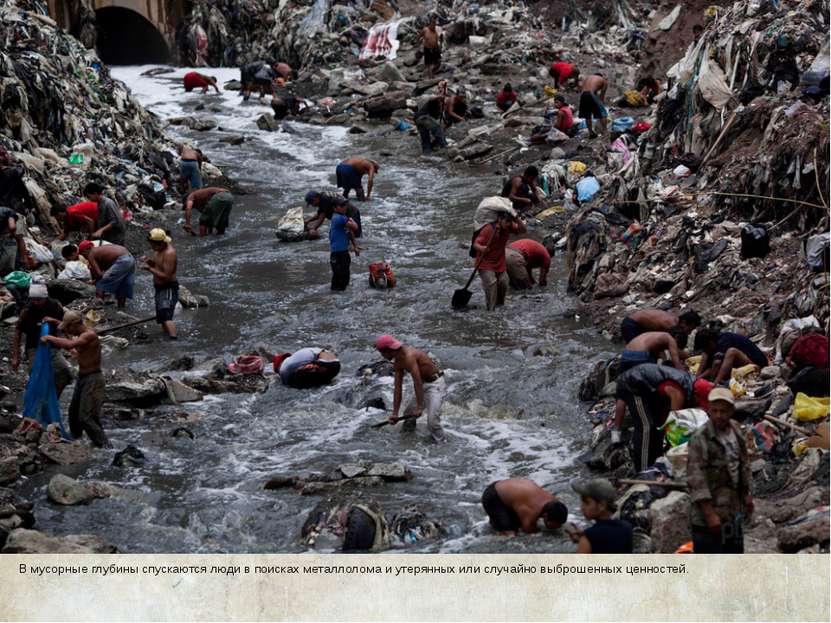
{"x":195,"y":80}
{"x":505,"y":98}
{"x":490,"y":247}
{"x":565,"y":117}
{"x":521,"y":257}
{"x":563,"y":72}
{"x":81,"y":217}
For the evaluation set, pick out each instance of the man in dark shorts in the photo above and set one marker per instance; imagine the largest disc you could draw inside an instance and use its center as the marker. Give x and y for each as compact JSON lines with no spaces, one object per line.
{"x":432,"y":47}
{"x":88,"y":397}
{"x":645,"y":320}
{"x":163,"y":266}
{"x":325,"y":204}
{"x":517,"y":503}
{"x":723,"y":351}
{"x":607,"y":535}
{"x":591,"y":102}
{"x":215,"y":204}
{"x":650,"y":346}
{"x":350,"y":173}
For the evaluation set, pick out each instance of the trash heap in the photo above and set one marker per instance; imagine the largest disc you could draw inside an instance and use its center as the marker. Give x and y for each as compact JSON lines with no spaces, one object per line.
{"x":723,"y":209}
{"x":66,"y":122}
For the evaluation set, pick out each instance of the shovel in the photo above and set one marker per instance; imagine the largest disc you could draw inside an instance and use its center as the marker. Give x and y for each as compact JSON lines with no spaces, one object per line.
{"x":125,"y":325}
{"x":462,"y":297}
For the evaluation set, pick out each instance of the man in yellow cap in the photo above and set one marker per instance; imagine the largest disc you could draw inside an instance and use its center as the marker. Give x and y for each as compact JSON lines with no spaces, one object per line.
{"x":88,"y":397}
{"x":163,"y":268}
{"x":719,"y":477}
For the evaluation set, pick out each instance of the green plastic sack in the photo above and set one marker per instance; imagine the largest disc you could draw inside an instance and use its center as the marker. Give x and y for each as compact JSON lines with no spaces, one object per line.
{"x":18,"y":279}
{"x":76,"y":158}
{"x":681,"y":424}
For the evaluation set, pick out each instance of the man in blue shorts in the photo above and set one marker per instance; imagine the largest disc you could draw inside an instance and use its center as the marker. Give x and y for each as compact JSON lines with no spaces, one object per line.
{"x":350,"y":174}
{"x":114,"y":269}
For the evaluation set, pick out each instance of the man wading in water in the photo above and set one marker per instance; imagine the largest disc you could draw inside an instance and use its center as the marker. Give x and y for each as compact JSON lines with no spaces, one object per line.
{"x":163,"y":268}
{"x":88,"y":397}
{"x":428,"y":385}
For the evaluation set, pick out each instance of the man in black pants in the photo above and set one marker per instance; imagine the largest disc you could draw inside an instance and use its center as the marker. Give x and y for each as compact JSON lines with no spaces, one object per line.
{"x":339,"y":239}
{"x":649,"y":391}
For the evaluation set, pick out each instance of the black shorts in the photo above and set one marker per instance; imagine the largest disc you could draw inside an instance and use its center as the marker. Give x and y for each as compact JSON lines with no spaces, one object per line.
{"x":629,"y":330}
{"x":432,"y":56}
{"x":167,"y":296}
{"x":502,"y":517}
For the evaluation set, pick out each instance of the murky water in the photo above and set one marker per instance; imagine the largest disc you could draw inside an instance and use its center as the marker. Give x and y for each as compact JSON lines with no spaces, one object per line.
{"x":511,"y":408}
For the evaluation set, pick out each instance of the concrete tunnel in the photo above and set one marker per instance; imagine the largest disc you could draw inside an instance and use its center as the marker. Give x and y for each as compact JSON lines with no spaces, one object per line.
{"x":128,"y":38}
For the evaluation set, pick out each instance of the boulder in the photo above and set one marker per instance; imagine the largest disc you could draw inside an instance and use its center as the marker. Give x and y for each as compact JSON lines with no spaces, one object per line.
{"x":190,"y":300}
{"x":178,"y":392}
{"x":268,"y":123}
{"x":65,"y":453}
{"x":781,"y":511}
{"x":370,"y":90}
{"x":69,"y":290}
{"x":390,"y":471}
{"x":314,"y":488}
{"x":670,"y":521}
{"x":809,"y":529}
{"x":390,"y":73}
{"x":23,"y":541}
{"x":9,"y":470}
{"x":383,"y":105}
{"x":232,"y":85}
{"x":64,"y":490}
{"x":140,"y":393}
{"x":203,"y":124}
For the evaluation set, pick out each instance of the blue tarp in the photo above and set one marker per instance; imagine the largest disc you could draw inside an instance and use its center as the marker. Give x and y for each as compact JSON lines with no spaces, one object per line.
{"x":41,"y":400}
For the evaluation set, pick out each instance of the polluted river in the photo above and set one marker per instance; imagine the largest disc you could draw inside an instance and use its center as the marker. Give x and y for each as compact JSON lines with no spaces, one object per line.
{"x":511,"y":407}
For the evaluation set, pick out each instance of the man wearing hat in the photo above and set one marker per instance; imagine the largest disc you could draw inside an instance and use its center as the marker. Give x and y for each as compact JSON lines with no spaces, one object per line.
{"x":607,"y":535}
{"x":428,"y":385}
{"x":40,"y":309}
{"x":163,"y":268}
{"x":719,"y":478}
{"x":88,"y":397}
{"x":325,"y":204}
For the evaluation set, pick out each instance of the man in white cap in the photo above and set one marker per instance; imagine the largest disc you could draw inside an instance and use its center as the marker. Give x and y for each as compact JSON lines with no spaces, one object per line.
{"x":40,"y":309}
{"x":428,"y":385}
{"x":719,"y":479}
{"x":88,"y":397}
{"x":163,"y":266}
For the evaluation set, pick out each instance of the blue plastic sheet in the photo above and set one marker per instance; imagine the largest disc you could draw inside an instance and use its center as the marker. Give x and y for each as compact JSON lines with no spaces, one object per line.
{"x":40,"y":402}
{"x":587,"y":188}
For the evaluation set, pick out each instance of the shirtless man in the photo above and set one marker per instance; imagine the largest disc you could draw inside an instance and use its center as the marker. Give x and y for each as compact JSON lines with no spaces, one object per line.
{"x":592,"y":102}
{"x":88,"y":397}
{"x":649,"y":346}
{"x":190,"y":166}
{"x":163,"y":268}
{"x":432,"y":47}
{"x":350,"y":175}
{"x":214,"y":203}
{"x":428,"y":384}
{"x":113,"y":268}
{"x":518,"y":503}
{"x":645,"y":320}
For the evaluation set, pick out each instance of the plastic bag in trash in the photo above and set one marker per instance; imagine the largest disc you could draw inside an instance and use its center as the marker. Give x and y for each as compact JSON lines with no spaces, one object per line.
{"x":808,"y":408}
{"x":587,"y":188}
{"x":291,"y":227}
{"x":40,"y":402}
{"x":681,"y":424}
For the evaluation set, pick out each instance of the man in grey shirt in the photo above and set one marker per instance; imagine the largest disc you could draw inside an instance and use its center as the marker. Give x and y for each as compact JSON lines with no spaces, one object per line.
{"x":110,"y":221}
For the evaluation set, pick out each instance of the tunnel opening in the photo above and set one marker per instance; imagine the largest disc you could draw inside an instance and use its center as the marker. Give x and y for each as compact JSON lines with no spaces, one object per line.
{"x":128,"y":38}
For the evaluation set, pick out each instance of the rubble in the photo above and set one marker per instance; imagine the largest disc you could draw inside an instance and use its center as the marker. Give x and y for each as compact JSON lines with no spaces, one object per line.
{"x":23,"y":541}
{"x":348,"y":475}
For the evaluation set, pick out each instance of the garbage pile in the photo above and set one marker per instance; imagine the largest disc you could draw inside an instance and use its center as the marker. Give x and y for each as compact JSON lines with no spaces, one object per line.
{"x":732,"y":205}
{"x":66,"y":122}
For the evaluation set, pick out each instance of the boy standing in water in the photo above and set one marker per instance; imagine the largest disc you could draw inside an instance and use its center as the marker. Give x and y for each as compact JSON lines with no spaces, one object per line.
{"x":340,"y":229}
{"x":163,"y":268}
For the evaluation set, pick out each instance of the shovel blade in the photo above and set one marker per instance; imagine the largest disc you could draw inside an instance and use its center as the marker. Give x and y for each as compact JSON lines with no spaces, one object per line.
{"x":461,"y":298}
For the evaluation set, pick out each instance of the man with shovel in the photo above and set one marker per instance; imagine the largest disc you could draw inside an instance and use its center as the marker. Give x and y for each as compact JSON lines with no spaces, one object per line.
{"x":490,"y":247}
{"x":428,"y":385}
